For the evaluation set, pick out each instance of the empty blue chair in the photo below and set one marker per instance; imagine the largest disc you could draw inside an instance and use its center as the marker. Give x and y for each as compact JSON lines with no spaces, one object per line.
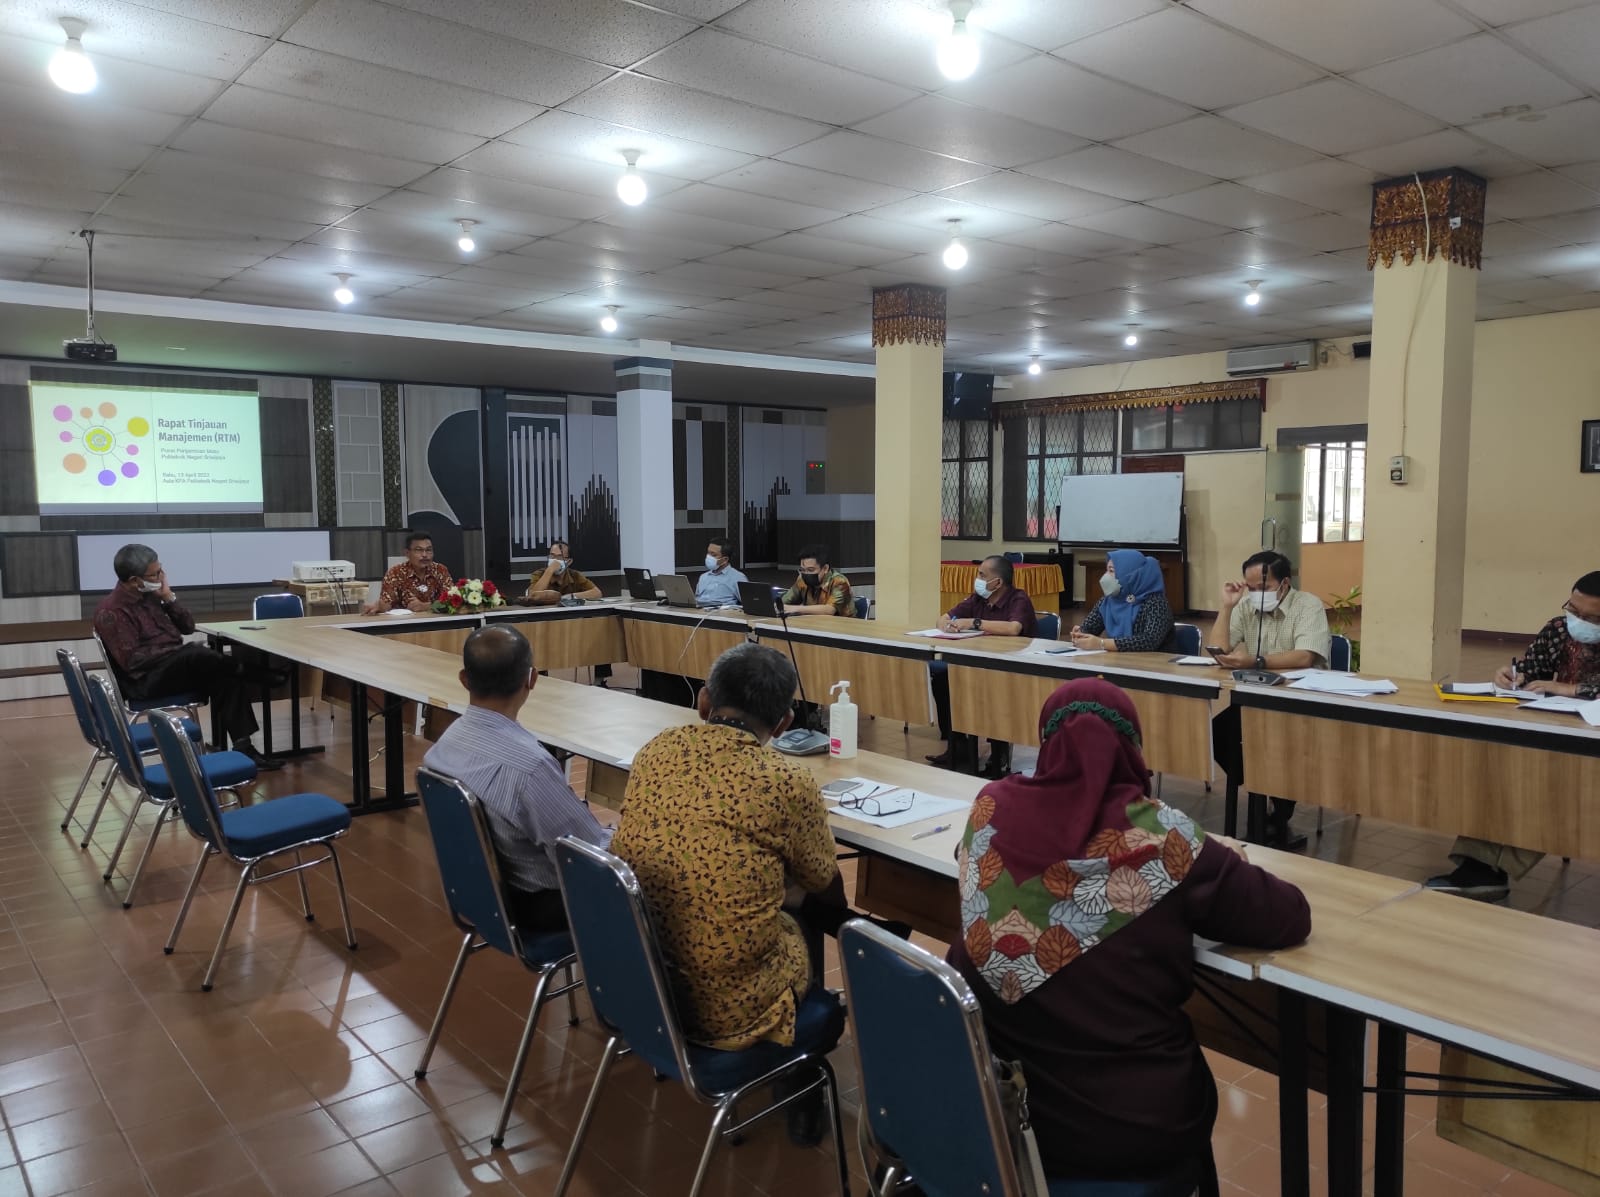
{"x":475,"y":894}
{"x":247,"y":835}
{"x":277,"y":606}
{"x":188,"y":701}
{"x":1047,"y":625}
{"x":150,"y":783}
{"x":627,"y":985}
{"x":1339,"y":653}
{"x":1014,"y":557}
{"x":862,"y":607}
{"x":1186,"y":639}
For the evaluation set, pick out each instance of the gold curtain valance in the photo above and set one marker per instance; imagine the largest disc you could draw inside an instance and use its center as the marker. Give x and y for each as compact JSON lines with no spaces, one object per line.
{"x":1194,"y":392}
{"x":1437,"y":214}
{"x":908,"y":314}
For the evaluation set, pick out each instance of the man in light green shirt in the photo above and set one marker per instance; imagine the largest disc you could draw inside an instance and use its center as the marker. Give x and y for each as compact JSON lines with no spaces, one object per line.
{"x":1291,"y":629}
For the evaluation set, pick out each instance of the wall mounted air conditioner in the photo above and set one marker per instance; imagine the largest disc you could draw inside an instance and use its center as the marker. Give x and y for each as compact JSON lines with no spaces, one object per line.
{"x":1272,"y":359}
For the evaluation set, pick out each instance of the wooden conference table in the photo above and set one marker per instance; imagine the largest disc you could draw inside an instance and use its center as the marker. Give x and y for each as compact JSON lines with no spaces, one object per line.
{"x":1511,"y":986}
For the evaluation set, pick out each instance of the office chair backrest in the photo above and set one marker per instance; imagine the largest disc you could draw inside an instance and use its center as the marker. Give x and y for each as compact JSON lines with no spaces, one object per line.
{"x":1339,"y":653}
{"x":78,"y":691}
{"x":617,"y":950}
{"x":197,"y":802}
{"x":468,"y":866}
{"x":1186,"y":639}
{"x":1014,"y":558}
{"x":861,"y":608}
{"x":277,"y":606}
{"x":112,"y":723}
{"x":927,"y":1078}
{"x":1047,"y":625}
{"x":112,"y":672}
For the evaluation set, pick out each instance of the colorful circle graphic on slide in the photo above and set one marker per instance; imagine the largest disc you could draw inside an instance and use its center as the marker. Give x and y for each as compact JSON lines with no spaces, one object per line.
{"x":97,"y":437}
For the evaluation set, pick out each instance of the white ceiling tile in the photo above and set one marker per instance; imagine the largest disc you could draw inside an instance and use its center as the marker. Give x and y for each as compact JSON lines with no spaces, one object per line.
{"x":1321,"y":234}
{"x":608,"y":31}
{"x":35,"y":115}
{"x":962,"y":131}
{"x":719,"y":203}
{"x":50,"y":151}
{"x":123,"y":83}
{"x":475,"y":187}
{"x":1062,"y":96}
{"x":288,"y":153}
{"x":1333,"y":117}
{"x":802,"y":184}
{"x":572,"y":254}
{"x":1233,"y":206}
{"x":575,"y":136}
{"x":441,"y":209}
{"x":1048,"y":25}
{"x":1577,"y":228}
{"x":1244,"y":249}
{"x":1538,"y":193}
{"x":773,"y":79}
{"x":1436,"y":151}
{"x":198,"y":172}
{"x":61,"y":173}
{"x":1070,"y":240}
{"x":138,"y":33}
{"x":1557,"y":260}
{"x":198,"y":218}
{"x":1570,"y":42}
{"x":1216,"y":147}
{"x":155,"y":191}
{"x":863,"y":157}
{"x":868,"y":240}
{"x":661,"y":221}
{"x":1179,"y":54}
{"x":795,"y":301}
{"x":1329,"y":184}
{"x":1468,"y":80}
{"x":400,"y":95}
{"x":776,"y":264}
{"x":612,"y":239}
{"x":1567,"y":134}
{"x":636,"y":102}
{"x":581,"y":175}
{"x":378,"y":33}
{"x":288,"y":116}
{"x":1345,"y":36}
{"x":936,"y":212}
{"x":1140,"y":223}
{"x":1586,"y":173}
{"x":1118,"y":173}
{"x":1011,"y":192}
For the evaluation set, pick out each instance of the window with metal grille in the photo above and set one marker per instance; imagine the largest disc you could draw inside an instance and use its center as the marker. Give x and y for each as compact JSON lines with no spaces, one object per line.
{"x":1192,"y":427}
{"x":1038,"y":452}
{"x":964,"y":487}
{"x":1335,"y":493}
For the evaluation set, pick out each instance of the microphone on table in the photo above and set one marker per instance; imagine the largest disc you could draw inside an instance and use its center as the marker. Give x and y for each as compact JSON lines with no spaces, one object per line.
{"x":806,"y":740}
{"x":1258,"y":676}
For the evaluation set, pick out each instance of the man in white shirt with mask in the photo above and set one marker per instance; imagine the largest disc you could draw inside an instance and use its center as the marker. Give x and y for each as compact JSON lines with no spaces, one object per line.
{"x":1265,"y":623}
{"x":719,"y":585}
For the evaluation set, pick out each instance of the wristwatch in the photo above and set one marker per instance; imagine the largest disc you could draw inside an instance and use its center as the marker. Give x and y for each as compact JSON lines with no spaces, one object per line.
{"x":1261,"y":662}
{"x":977,"y":624}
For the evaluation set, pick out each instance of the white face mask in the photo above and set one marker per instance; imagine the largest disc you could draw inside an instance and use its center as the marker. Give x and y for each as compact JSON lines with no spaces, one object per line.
{"x":981,"y":587}
{"x":559,"y":564}
{"x":1109,"y":586}
{"x":711,"y":562}
{"x":1582,"y":630}
{"x":148,"y":587}
{"x":1266,"y":601}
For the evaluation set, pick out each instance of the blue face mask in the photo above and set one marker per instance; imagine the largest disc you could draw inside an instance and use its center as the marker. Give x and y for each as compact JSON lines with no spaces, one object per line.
{"x":1582,"y":630}
{"x":981,"y":587}
{"x":711,"y":562}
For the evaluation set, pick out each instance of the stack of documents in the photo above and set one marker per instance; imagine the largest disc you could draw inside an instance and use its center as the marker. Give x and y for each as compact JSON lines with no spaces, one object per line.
{"x":1480,"y":690}
{"x":1327,"y":681}
{"x":1552,"y":702}
{"x":1058,"y":648}
{"x":1194,"y":660}
{"x":936,"y":634}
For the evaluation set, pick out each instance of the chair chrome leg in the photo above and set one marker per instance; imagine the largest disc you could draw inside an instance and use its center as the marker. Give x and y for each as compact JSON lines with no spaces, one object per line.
{"x":122,"y":840}
{"x":83,"y":784}
{"x":144,"y":857}
{"x":344,"y":903}
{"x":712,"y":1137}
{"x":305,"y":894}
{"x":567,"y":1169}
{"x":572,"y":999}
{"x":188,"y":897}
{"x":498,"y":1139}
{"x":830,"y":1091}
{"x":227,"y":927}
{"x":421,"y":1070}
{"x":105,"y":796}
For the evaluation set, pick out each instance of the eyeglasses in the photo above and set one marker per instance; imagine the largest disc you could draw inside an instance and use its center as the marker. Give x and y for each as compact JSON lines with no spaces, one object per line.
{"x":872,"y":799}
{"x":1570,"y":610}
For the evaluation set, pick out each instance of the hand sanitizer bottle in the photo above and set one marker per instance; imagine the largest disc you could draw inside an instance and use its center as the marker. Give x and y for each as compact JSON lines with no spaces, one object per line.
{"x":842,"y":723}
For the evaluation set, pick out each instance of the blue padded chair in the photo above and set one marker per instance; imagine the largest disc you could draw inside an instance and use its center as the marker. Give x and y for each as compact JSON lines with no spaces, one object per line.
{"x":475,"y":894}
{"x":862,"y":606}
{"x":150,"y":783}
{"x":247,"y":836}
{"x":1339,"y":653}
{"x":928,"y":1092}
{"x":189,"y":701}
{"x":1186,"y":639}
{"x":77,"y":683}
{"x":1013,"y":557}
{"x":277,"y":606}
{"x":628,"y":989}
{"x":1047,"y":625}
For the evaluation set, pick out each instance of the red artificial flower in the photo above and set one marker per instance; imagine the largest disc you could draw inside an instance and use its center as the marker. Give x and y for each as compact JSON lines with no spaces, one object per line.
{"x":488,"y":588}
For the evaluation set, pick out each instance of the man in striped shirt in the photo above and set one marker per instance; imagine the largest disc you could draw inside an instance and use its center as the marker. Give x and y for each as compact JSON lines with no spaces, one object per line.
{"x":522,"y":788}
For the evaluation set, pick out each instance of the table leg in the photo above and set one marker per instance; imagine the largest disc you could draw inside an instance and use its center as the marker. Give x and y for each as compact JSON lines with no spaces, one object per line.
{"x":1256,"y":819}
{"x":296,"y":749}
{"x":360,"y":766}
{"x":266,"y":718}
{"x":1230,"y":811}
{"x":1389,"y":1172}
{"x":1294,"y":1131}
{"x":1347,"y":1067}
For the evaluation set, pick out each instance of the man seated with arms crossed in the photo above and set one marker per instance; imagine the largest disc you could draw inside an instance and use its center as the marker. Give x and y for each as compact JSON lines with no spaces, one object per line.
{"x":523,"y":790}
{"x":414,"y":583}
{"x":142,"y":624}
{"x":1564,"y":659}
{"x":719,"y":585}
{"x":820,"y":589}
{"x":1291,"y":629}
{"x":559,"y":579}
{"x":995,"y":608}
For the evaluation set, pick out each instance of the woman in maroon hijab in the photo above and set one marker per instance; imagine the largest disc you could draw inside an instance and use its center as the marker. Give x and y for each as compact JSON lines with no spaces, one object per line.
{"x":1080,"y":900}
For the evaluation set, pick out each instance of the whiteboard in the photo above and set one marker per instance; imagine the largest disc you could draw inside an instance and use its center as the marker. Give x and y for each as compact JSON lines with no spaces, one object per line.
{"x":1121,"y":509}
{"x":204,"y":558}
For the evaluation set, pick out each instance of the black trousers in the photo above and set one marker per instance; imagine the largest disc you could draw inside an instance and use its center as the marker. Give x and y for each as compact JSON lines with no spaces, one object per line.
{"x":536,"y":910}
{"x":194,"y":668}
{"x":1227,"y":746}
{"x":939,"y":682}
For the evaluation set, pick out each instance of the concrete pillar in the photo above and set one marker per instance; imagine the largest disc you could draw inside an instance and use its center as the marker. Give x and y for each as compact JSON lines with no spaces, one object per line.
{"x":908,"y":325}
{"x":644,"y":462}
{"x":1419,"y":408}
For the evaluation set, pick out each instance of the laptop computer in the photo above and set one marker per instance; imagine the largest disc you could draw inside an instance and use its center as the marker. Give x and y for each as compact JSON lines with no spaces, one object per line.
{"x":640,"y":584}
{"x":678,"y":591}
{"x":759,"y":599}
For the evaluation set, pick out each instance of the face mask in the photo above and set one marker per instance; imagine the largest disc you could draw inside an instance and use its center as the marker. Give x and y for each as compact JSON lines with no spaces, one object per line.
{"x":1582,"y":630}
{"x":1266,"y":601}
{"x":981,"y":587}
{"x":811,"y":579}
{"x":147,"y":587}
{"x":1109,"y":586}
{"x":711,"y":562}
{"x":559,"y":564}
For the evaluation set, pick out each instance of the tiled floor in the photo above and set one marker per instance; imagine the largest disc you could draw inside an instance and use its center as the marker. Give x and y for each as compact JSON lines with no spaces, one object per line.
{"x":294,"y":1077}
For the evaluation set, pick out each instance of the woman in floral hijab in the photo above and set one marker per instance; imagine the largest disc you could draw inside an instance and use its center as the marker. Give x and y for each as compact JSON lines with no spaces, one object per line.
{"x":1080,"y":899}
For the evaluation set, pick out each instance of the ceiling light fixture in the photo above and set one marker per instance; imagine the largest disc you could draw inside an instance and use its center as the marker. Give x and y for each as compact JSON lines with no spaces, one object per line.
{"x":1131,"y":339}
{"x":955,"y":254}
{"x":1033,"y":365}
{"x":1253,"y":297}
{"x":465,"y":241}
{"x":608,"y":322}
{"x":342,"y":292}
{"x":70,"y":69}
{"x":957,"y":55}
{"x":631,"y":188}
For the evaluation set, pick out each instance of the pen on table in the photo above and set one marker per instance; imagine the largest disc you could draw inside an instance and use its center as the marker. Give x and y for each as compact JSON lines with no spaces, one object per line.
{"x":922,"y":835}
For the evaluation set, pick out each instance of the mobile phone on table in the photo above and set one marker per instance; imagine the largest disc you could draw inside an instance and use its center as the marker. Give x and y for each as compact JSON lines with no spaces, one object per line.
{"x":1217,"y":651}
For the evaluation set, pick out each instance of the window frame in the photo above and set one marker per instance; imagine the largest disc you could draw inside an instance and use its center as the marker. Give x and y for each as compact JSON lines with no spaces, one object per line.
{"x":1348,"y":448}
{"x":962,"y":461}
{"x":1017,"y":510}
{"x":1223,"y":413}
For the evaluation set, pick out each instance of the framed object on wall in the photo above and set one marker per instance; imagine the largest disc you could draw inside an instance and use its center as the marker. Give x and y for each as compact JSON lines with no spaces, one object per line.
{"x":1591,"y":447}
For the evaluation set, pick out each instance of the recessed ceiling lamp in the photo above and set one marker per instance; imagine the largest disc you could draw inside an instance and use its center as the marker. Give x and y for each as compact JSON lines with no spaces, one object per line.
{"x":608,"y":322}
{"x":70,"y":69}
{"x":1253,"y":296}
{"x":1131,"y":339}
{"x":342,"y":292}
{"x":465,"y":242}
{"x":955,"y":254}
{"x":1033,"y":365}
{"x":957,"y":55}
{"x":631,"y":188}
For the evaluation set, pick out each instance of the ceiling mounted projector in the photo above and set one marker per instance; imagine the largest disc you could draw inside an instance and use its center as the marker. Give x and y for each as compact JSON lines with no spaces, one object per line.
{"x":90,"y":347}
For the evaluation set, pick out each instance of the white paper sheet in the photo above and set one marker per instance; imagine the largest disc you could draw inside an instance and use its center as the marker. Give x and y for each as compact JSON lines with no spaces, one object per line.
{"x":1194,"y":660}
{"x":1555,"y":702}
{"x":923,"y":806}
{"x":1591,"y":713}
{"x":1327,"y":681}
{"x":936,"y":634}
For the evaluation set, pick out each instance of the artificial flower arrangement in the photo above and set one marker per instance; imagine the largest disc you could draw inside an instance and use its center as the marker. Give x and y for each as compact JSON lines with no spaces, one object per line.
{"x":468,"y":594}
